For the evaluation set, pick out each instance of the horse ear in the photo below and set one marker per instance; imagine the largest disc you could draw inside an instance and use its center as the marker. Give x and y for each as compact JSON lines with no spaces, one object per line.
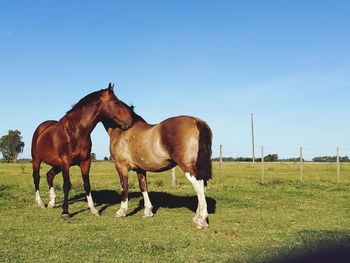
{"x":110,"y":87}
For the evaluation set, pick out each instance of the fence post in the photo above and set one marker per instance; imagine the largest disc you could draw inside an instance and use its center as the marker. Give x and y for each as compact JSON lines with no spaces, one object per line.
{"x":220,"y":164}
{"x":262,"y":165}
{"x":301,"y":164}
{"x":338,"y":166}
{"x":173,"y":177}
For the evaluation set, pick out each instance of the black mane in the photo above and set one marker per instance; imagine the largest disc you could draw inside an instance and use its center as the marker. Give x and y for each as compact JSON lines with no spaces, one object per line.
{"x":93,"y":97}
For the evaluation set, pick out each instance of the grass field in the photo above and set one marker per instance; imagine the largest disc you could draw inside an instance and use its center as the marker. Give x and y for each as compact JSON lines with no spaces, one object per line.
{"x":249,"y":221}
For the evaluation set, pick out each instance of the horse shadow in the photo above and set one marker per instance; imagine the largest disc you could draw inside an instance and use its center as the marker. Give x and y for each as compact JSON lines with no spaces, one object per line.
{"x":107,"y":198}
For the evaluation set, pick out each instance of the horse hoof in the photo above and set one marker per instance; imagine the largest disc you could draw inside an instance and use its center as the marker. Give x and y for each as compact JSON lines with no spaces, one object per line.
{"x":148,"y":212}
{"x":95,"y":212}
{"x":120,"y":213}
{"x":200,"y":222}
{"x":202,"y":225}
{"x":65,"y":216}
{"x":196,"y":220}
{"x":41,"y":205}
{"x":49,"y":205}
{"x":145,"y":215}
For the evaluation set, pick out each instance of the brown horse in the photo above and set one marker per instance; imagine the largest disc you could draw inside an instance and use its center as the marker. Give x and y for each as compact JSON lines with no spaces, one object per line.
{"x":67,"y":142}
{"x":184,"y":141}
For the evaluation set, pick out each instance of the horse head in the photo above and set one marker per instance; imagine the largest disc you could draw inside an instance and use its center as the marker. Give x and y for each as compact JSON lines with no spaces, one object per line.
{"x":115,"y":110}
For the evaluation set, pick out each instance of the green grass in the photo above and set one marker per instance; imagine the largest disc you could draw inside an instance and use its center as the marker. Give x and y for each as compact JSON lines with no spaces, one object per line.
{"x":249,"y":221}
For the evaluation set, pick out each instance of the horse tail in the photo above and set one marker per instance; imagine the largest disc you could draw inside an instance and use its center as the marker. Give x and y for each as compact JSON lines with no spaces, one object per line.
{"x":203,"y":164}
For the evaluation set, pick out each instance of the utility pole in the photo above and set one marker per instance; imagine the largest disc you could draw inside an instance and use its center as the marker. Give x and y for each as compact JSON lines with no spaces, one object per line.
{"x":220,"y":164}
{"x":253,"y":147}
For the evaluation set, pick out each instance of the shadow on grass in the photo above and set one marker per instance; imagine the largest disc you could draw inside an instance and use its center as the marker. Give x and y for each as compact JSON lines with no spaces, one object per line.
{"x":107,"y":198}
{"x":166,"y":200}
{"x":318,"y":246}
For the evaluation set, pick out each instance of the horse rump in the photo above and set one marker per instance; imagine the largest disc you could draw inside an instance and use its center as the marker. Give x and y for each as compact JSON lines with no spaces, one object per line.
{"x":203,"y":164}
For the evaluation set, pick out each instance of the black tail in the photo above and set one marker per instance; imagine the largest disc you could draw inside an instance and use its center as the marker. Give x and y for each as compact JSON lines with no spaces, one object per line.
{"x":203,"y":164}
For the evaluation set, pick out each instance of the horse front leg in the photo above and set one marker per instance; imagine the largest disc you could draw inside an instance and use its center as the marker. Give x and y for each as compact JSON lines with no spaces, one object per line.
{"x":85,"y":169}
{"x":66,"y":187}
{"x":143,"y":188}
{"x":123,"y":175}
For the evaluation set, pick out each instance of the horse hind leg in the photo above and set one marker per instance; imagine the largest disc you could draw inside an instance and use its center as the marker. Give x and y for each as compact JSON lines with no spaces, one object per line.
{"x":50,"y":175}
{"x":143,"y":187}
{"x":200,"y":219}
{"x":36,"y":179}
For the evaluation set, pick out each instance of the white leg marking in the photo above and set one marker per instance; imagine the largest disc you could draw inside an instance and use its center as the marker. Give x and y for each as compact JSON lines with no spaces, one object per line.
{"x":193,"y":180}
{"x":201,"y":214}
{"x":52,"y":202}
{"x":148,"y":205}
{"x":203,"y":210}
{"x":91,"y":205}
{"x":122,"y":210}
{"x":89,"y":200}
{"x":38,"y":200}
{"x":124,"y":204}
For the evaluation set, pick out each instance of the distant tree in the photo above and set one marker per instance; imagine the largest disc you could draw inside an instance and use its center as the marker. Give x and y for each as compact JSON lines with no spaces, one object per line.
{"x":93,"y":156}
{"x":330,"y":159}
{"x":271,"y":158}
{"x":105,"y":158}
{"x":244,"y":159}
{"x":344,"y":159}
{"x":292,"y":159}
{"x":231,"y":159}
{"x":324,"y":159}
{"x":11,"y":145}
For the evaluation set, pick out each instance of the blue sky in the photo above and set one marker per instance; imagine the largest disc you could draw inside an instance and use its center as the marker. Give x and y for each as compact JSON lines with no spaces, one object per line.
{"x":288,"y":62}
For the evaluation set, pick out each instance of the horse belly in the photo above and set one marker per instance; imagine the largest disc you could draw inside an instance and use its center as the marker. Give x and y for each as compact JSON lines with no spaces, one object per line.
{"x":154,"y":158}
{"x":152,"y":165}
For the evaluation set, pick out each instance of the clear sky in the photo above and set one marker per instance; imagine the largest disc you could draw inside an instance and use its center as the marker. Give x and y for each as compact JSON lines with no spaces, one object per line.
{"x":288,"y":62}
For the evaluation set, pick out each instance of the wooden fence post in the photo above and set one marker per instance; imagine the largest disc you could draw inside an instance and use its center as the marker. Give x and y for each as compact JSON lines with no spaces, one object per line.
{"x":338,"y":166}
{"x":301,"y":164}
{"x":262,"y":165}
{"x":220,"y":164}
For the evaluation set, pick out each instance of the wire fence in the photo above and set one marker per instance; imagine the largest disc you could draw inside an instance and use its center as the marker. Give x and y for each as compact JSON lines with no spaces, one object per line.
{"x":326,"y":165}
{"x":228,"y":169}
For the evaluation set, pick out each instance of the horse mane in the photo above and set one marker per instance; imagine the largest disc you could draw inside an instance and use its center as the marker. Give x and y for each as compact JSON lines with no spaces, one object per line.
{"x":93,"y":97}
{"x":135,"y":116}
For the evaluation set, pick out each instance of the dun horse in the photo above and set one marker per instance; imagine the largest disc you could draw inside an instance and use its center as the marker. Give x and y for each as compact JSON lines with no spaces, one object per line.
{"x":184,"y":141}
{"x":67,"y":142}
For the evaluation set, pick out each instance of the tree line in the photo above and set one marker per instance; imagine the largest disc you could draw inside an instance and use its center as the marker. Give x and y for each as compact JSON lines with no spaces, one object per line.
{"x":275,"y":158}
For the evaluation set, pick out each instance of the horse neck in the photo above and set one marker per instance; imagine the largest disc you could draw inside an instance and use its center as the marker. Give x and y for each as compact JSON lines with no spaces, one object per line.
{"x":83,"y":120}
{"x":110,"y":126}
